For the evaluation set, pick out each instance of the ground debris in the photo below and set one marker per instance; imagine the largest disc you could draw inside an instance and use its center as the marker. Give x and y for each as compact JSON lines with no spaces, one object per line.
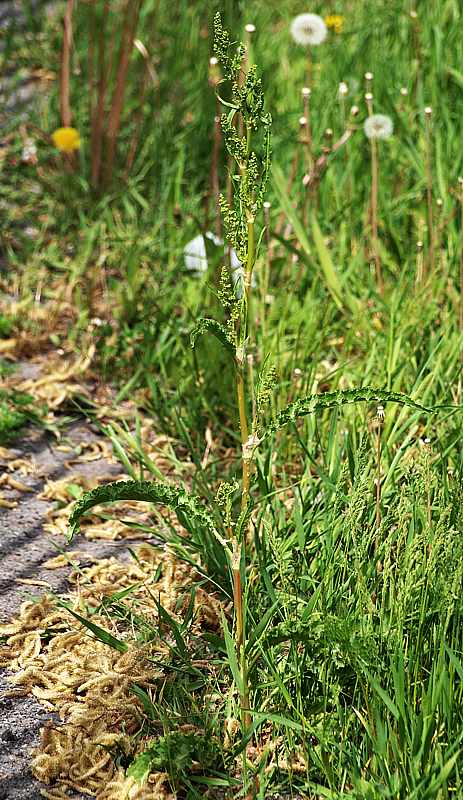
{"x":87,"y":683}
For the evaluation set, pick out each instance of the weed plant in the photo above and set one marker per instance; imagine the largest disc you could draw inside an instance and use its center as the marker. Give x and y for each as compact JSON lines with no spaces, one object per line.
{"x":345,"y":674}
{"x":335,"y":624}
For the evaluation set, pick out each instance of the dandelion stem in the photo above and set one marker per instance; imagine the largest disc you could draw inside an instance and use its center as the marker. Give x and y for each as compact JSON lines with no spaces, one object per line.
{"x":374,"y":213}
{"x":129,"y":27}
{"x":374,"y":193}
{"x":65,"y":102}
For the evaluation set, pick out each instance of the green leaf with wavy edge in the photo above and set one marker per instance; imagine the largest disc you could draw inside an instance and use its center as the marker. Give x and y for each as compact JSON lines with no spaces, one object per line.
{"x":205,"y":325}
{"x":177,"y":499}
{"x":318,"y":402}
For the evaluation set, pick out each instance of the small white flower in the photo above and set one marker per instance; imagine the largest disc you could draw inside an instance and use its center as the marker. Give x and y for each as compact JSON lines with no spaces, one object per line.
{"x":308,"y":29}
{"x":378,"y":126}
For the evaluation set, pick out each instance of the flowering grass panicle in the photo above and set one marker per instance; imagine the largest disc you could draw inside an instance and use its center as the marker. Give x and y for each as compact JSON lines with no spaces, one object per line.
{"x":67,"y":140}
{"x":308,"y":29}
{"x":378,"y":126}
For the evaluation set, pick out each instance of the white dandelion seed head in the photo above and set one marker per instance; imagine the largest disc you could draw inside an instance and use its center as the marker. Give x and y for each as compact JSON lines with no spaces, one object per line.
{"x":404,"y":91}
{"x":378,"y":126}
{"x":343,"y":89}
{"x":308,"y":29}
{"x":250,"y":28}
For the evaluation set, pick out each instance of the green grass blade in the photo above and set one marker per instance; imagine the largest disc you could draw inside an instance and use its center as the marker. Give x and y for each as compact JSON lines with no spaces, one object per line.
{"x":328,"y":268}
{"x":231,"y":653}
{"x":100,"y":633}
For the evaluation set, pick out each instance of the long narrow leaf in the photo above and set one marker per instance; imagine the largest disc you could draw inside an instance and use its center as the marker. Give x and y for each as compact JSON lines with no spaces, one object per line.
{"x":231,"y":653}
{"x":100,"y":633}
{"x":331,"y":276}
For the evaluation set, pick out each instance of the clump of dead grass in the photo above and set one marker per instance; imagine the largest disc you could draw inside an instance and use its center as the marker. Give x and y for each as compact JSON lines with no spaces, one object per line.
{"x":54,"y":658}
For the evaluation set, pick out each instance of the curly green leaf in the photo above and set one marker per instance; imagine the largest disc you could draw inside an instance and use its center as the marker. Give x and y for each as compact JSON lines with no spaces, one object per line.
{"x":205,"y":325}
{"x":182,"y":503}
{"x":318,"y":402}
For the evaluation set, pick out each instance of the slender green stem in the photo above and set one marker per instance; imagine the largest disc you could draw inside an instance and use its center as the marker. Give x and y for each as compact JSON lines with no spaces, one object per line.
{"x":374,"y":213}
{"x":239,"y":559}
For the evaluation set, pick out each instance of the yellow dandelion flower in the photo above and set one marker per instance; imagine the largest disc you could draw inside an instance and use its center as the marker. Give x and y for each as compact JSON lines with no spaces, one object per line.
{"x":334,"y":22}
{"x":66,"y":139}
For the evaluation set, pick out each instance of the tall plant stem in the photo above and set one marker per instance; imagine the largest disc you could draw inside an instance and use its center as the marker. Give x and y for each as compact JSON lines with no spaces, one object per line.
{"x":380,"y":419}
{"x":374,"y":214}
{"x":65,"y":103}
{"x":308,"y":150}
{"x":64,"y":89}
{"x":460,"y":181}
{"x":308,"y":128}
{"x":239,"y":562}
{"x":129,"y":27}
{"x":103,"y":71}
{"x":374,"y":193}
{"x":431,"y":236}
{"x":241,"y":394}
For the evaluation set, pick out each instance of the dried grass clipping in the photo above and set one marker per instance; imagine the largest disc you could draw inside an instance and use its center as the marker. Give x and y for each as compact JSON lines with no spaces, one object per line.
{"x":86,"y":682}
